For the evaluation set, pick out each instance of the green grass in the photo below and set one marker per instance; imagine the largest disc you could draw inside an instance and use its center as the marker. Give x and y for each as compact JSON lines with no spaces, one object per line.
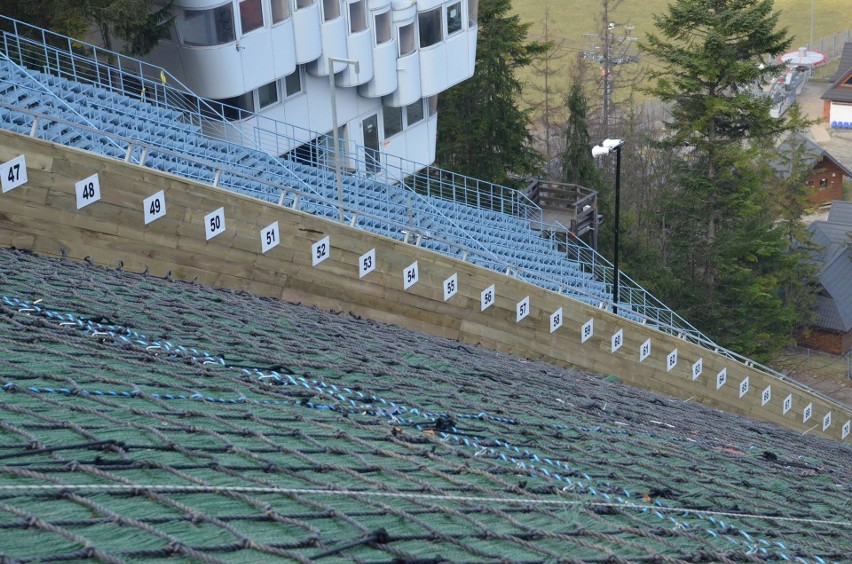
{"x":569,"y":20}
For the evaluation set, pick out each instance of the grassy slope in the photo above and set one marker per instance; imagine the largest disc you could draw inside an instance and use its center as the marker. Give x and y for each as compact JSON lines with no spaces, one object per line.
{"x":570,"y":19}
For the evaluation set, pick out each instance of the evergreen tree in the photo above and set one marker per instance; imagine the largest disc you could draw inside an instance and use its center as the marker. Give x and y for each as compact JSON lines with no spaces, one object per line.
{"x":481,"y":130}
{"x":139,"y":24}
{"x":578,"y":165}
{"x":725,"y":250}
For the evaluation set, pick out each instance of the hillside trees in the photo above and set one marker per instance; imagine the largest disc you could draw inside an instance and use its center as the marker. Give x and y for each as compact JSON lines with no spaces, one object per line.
{"x":725,"y":254}
{"x":482,"y":132}
{"x":137,"y":24}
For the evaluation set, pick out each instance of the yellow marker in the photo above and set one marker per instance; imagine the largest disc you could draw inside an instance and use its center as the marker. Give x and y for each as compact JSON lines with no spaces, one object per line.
{"x":163,"y":76}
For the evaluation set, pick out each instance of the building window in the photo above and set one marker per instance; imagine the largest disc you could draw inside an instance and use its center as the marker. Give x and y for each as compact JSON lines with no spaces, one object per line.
{"x":454,"y":18}
{"x":430,"y":27}
{"x":280,"y":10}
{"x":208,"y":27}
{"x":432,"y":102}
{"x":251,"y":15}
{"x":235,"y":108}
{"x":383,"y":27}
{"x":293,"y":83}
{"x":300,"y":4}
{"x":357,"y":16}
{"x":406,"y":39}
{"x":473,"y":12}
{"x":330,"y":10}
{"x":823,"y":183}
{"x":267,"y":94}
{"x":809,"y":182}
{"x":414,"y":112}
{"x":393,"y":120}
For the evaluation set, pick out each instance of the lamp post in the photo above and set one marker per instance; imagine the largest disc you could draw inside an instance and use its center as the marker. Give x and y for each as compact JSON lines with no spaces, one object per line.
{"x":605,"y":148}
{"x":337,"y":169}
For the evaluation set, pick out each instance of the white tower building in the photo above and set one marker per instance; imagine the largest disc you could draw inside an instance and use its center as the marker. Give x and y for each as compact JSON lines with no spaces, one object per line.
{"x":271,"y":59}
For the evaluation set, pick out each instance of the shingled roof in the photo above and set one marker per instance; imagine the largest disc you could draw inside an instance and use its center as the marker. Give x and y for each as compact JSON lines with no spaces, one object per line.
{"x":141,"y":417}
{"x":836,"y":92}
{"x":834,"y":236}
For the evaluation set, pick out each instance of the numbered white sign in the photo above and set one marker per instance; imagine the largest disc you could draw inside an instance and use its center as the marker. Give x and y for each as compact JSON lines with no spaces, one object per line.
{"x":697,"y":368}
{"x":88,"y":191}
{"x":671,"y":360}
{"x":320,"y":250}
{"x":366,"y":263}
{"x":587,"y":330}
{"x":845,"y":431}
{"x":451,"y":286}
{"x":744,"y":387}
{"x":645,"y":350}
{"x":556,"y":320}
{"x":486,"y":298}
{"x":788,"y":404}
{"x":410,"y":276}
{"x":270,"y":237}
{"x":766,"y":396}
{"x":617,"y":340}
{"x":522,"y":309}
{"x":214,"y":223}
{"x":154,"y":206}
{"x":13,"y":173}
{"x":721,"y":378}
{"x":806,"y":414}
{"x":826,"y":421}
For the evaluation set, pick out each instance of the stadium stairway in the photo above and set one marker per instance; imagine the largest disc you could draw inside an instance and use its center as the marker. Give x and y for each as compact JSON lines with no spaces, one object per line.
{"x":506,"y":243}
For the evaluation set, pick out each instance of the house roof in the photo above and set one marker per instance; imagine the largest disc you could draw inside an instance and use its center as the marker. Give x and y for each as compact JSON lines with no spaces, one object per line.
{"x":811,"y":151}
{"x":835,"y":256}
{"x":836,"y":92}
{"x":845,"y":62}
{"x":141,"y":417}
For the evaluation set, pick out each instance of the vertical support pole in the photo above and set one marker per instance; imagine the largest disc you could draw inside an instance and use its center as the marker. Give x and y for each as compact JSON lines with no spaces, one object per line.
{"x":337,"y":172}
{"x":615,"y":227}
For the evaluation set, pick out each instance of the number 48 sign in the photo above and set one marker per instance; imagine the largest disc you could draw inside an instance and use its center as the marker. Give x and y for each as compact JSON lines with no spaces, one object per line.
{"x":88,"y":191}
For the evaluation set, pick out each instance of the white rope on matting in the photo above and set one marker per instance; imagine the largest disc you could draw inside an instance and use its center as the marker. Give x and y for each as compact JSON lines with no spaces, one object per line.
{"x":400,"y":495}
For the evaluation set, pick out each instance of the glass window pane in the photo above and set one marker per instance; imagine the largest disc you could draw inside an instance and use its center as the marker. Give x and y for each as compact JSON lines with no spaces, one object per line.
{"x":330,"y":9}
{"x":383,"y":28}
{"x":267,"y":94}
{"x":280,"y":10}
{"x":414,"y":112}
{"x":454,"y":18}
{"x":393,"y":120}
{"x":430,"y":27}
{"x":473,"y":12}
{"x":357,"y":16}
{"x":208,"y":27}
{"x":304,"y":4}
{"x":406,"y":40}
{"x":251,"y":15}
{"x":293,"y":83}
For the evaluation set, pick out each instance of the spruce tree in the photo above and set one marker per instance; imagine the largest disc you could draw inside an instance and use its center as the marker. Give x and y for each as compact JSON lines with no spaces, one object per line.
{"x":481,"y":130}
{"x":725,"y":252}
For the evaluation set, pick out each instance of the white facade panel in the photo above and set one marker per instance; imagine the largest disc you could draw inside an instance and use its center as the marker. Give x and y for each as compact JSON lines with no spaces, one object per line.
{"x":433,"y":69}
{"x":283,"y":52}
{"x":384,"y":72}
{"x":840,"y":113}
{"x":333,"y":37}
{"x":359,"y":47}
{"x":306,"y":22}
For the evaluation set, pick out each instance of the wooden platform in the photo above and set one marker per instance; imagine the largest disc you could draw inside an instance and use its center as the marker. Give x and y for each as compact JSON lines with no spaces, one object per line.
{"x":42,"y":216}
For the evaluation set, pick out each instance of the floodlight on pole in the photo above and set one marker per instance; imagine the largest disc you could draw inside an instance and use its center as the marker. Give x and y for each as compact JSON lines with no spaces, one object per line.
{"x":337,"y":168}
{"x":606,"y":147}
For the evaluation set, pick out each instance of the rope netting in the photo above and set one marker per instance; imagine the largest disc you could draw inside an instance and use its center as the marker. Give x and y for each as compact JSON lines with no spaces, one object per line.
{"x":142,"y":417}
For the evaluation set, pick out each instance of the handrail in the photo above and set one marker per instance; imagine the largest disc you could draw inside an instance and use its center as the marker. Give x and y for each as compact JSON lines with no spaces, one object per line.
{"x":133,"y":77}
{"x":332,"y":206}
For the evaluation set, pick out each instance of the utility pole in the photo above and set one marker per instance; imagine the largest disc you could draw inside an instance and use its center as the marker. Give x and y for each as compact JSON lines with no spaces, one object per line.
{"x":613,"y":52}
